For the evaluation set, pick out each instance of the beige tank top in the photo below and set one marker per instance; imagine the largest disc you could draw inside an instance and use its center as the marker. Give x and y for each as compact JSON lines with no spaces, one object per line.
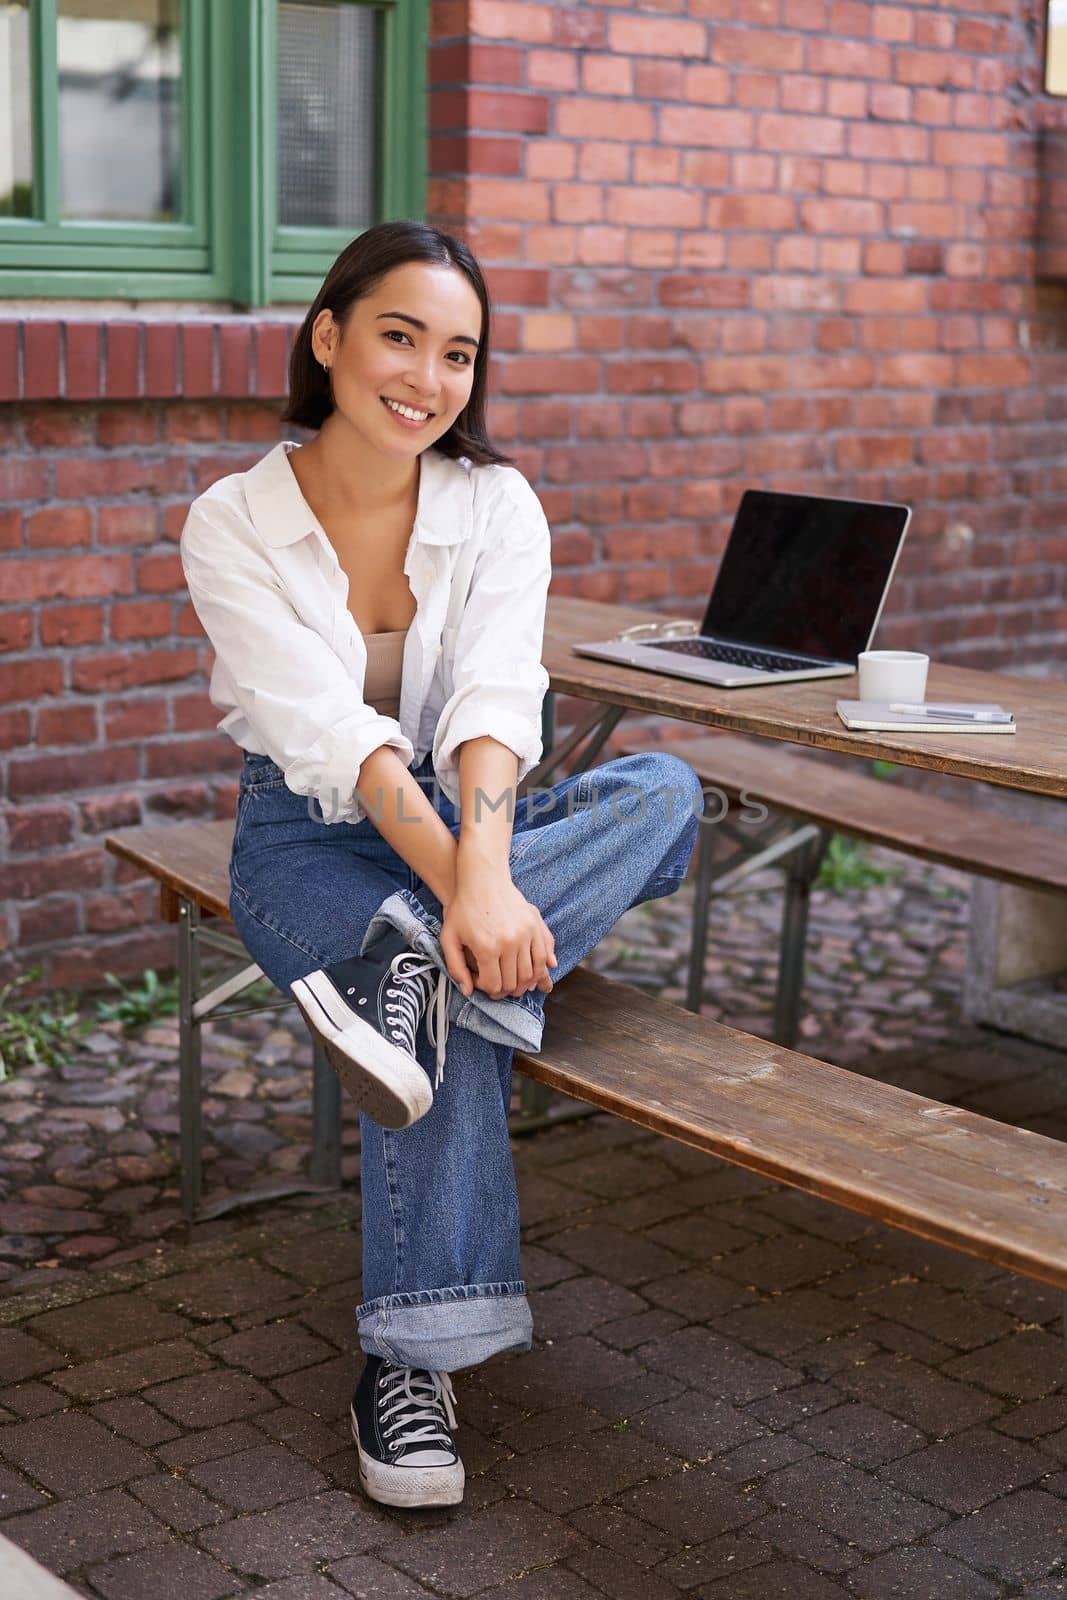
{"x":385,"y":665}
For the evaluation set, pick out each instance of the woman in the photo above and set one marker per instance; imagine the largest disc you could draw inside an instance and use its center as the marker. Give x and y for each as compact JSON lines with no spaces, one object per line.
{"x":376,"y":601}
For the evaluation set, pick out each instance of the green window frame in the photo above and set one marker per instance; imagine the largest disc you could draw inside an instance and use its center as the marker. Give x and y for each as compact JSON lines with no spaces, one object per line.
{"x":227,"y":245}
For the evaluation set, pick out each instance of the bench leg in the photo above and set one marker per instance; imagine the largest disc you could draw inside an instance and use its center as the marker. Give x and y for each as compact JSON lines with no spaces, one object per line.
{"x":698,"y":948}
{"x":801,"y":873}
{"x":189,"y":1055}
{"x":325,"y":1121}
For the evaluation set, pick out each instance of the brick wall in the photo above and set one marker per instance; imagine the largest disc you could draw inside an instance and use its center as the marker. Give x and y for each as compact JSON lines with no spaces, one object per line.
{"x":779,"y":242}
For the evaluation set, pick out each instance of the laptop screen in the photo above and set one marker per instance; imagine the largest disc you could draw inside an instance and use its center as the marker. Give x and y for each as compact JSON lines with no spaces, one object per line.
{"x":805,"y":573}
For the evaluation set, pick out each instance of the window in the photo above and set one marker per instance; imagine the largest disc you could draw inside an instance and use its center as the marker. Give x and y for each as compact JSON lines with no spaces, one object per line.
{"x":193,"y":149}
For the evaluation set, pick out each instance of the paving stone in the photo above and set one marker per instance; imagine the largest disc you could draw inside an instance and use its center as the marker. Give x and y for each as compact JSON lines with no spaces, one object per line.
{"x":309,"y":1436}
{"x":698,"y":1294}
{"x":136,"y":1420}
{"x":954,"y":1319}
{"x":725,"y":1556}
{"x":211,"y":1398}
{"x":367,"y":1578}
{"x":312,"y":1586}
{"x":691,"y":1504}
{"x":136,"y":1369}
{"x":788,"y":1322}
{"x":705,"y":1360}
{"x":904,"y":1574}
{"x":297,"y":1538}
{"x":786,"y":1262}
{"x":107,"y":1324}
{"x":190,"y":1448}
{"x":1036,"y":1418}
{"x":472,"y":1553}
{"x":72,"y":1453}
{"x":528,"y":1434}
{"x":638,"y":1544}
{"x":325,"y":1390}
{"x":916,"y":1394}
{"x":696,"y":1426}
{"x":628,"y":1332}
{"x":1025,"y":1365}
{"x":267,"y":1352}
{"x":615,"y":1173}
{"x":860,"y":1434}
{"x":566,"y":1476}
{"x":775,"y":1580}
{"x":74,"y":1532}
{"x":32,"y":1399}
{"x":16,"y":1494}
{"x":579,"y":1306}
{"x":967,"y":1471}
{"x":624,"y":1258}
{"x":221,"y":1291}
{"x":172,"y":1570}
{"x":750,"y":1462}
{"x":571,"y":1370}
{"x":850,"y":1503}
{"x":803,"y":1540}
{"x":177,"y":1503}
{"x":1018,"y":1539}
{"x":24,"y":1357}
{"x":550,"y":1583}
{"x":257,"y":1479}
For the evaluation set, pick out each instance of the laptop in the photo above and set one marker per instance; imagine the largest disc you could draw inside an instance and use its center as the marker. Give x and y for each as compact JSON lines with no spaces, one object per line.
{"x":798,"y":594}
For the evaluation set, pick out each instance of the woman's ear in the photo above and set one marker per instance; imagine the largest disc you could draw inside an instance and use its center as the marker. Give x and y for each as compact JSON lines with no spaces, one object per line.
{"x":325,"y":336}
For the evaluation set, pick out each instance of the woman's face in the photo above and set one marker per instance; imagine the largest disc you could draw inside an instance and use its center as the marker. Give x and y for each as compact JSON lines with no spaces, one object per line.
{"x":411,"y":342}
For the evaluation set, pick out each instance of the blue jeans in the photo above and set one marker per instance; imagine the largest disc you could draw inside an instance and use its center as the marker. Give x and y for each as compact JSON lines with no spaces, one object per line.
{"x":441,"y":1275}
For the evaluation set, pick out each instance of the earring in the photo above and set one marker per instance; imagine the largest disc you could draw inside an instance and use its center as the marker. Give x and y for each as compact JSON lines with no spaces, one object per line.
{"x":325,"y":368}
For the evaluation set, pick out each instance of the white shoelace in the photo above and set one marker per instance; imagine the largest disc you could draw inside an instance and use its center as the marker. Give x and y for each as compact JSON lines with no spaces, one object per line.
{"x":417,"y":1395}
{"x":424,"y":987}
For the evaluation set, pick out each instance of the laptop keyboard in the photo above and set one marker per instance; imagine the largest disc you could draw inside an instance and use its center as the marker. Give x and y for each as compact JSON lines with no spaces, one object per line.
{"x":736,"y":655}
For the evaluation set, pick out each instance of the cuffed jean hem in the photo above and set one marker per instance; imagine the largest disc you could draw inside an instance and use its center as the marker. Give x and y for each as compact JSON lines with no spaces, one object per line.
{"x":507,"y":1021}
{"x":447,"y":1329}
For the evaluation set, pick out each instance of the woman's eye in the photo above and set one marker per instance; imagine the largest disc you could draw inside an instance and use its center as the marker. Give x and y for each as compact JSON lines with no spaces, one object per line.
{"x":390,"y":332}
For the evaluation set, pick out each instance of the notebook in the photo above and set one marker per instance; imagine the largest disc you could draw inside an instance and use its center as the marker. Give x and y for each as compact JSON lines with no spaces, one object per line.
{"x":876,"y":716}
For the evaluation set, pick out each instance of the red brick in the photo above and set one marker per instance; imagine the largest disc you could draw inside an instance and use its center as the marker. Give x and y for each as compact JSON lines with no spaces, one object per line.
{"x":28,"y":680}
{"x":197,"y":359}
{"x":10,"y":386}
{"x":235,"y":359}
{"x":72,"y":624}
{"x":50,"y":579}
{"x":122,"y":363}
{"x":37,"y":827}
{"x":121,"y":425}
{"x":751,"y":47}
{"x":272,"y":359}
{"x":66,"y":725}
{"x":63,"y":774}
{"x":141,"y":619}
{"x":130,"y":670}
{"x":59,"y":525}
{"x":40,"y":356}
{"x":160,"y":359}
{"x":82,"y":360}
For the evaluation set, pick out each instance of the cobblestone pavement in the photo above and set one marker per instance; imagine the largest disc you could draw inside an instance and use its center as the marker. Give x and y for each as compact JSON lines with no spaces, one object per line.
{"x":736,"y":1391}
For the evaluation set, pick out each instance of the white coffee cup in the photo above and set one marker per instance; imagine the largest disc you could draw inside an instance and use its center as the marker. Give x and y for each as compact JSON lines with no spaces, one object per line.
{"x":893,"y":675}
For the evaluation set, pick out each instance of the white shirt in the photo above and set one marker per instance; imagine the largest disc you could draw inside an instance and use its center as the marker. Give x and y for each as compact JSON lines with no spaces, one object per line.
{"x":290,"y":660}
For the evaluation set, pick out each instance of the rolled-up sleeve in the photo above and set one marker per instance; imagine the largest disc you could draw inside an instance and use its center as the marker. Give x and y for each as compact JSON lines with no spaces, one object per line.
{"x":499,"y":683}
{"x":285,"y":678}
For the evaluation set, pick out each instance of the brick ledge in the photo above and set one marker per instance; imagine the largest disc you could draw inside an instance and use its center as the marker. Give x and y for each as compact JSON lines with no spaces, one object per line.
{"x":217,"y":356}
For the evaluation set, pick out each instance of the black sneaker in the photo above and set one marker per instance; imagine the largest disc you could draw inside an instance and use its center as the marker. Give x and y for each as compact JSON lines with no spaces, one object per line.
{"x":366,"y":1011}
{"x":402,"y":1419}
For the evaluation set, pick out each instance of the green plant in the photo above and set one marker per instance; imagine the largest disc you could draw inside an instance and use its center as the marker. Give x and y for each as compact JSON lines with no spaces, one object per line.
{"x":153,"y":999}
{"x":37,"y":1030}
{"x":845,"y":866}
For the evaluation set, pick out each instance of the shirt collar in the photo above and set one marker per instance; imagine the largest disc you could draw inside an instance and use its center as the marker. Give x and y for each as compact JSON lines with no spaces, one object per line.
{"x":281,"y":515}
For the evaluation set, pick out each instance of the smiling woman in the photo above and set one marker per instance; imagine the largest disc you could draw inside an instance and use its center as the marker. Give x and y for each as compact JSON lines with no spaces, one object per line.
{"x":376,"y":599}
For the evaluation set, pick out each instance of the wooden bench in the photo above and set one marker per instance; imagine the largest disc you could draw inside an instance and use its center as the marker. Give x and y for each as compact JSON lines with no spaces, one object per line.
{"x":812,"y":800}
{"x":983,"y":1187}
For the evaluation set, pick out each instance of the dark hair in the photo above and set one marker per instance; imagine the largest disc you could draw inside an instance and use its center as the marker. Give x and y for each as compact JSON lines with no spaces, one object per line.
{"x":356,"y":273}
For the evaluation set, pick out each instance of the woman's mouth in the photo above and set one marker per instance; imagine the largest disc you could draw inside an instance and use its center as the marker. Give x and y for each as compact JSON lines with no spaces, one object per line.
{"x":409,"y":417}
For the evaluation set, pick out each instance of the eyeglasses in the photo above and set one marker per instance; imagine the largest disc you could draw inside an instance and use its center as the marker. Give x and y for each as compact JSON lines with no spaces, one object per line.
{"x":678,"y":628}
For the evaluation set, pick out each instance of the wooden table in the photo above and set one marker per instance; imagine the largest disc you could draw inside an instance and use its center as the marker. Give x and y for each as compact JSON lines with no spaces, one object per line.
{"x":1034,"y":758}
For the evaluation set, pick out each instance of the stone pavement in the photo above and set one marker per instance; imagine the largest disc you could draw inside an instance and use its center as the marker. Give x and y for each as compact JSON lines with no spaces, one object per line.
{"x":736,"y":1390}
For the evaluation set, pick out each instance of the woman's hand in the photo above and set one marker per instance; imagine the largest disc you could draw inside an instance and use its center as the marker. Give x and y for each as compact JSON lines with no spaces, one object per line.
{"x":494,"y":932}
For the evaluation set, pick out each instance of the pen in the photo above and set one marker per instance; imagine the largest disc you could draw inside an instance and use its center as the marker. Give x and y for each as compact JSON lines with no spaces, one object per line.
{"x":945,"y":712}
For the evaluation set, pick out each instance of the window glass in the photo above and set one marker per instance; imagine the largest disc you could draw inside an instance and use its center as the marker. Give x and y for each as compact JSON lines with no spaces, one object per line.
{"x":119,"y":109}
{"x":16,"y":110}
{"x":327,"y":113}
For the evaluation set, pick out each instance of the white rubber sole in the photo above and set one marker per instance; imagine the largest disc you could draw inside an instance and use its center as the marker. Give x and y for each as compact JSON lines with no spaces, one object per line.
{"x":408,"y":1486}
{"x":383,"y":1080}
